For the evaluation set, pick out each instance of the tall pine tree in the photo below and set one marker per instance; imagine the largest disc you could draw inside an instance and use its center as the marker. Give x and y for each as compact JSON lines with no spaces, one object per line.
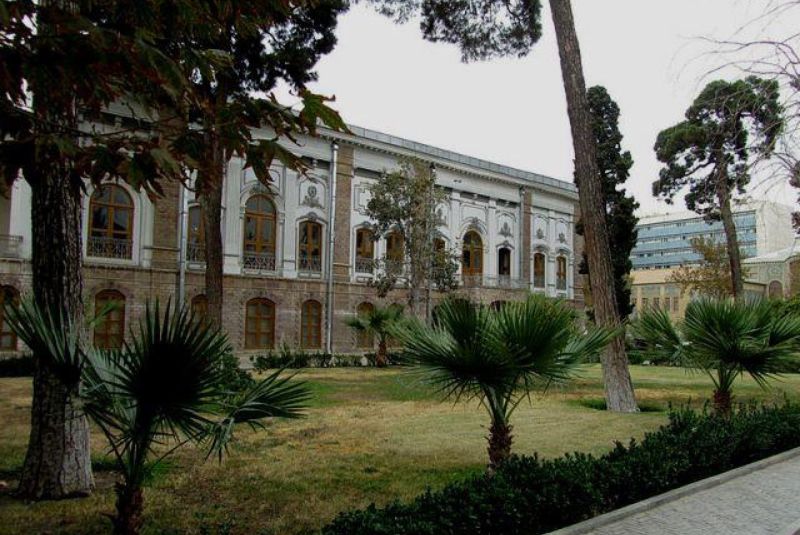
{"x":615,"y":166}
{"x":484,"y":29}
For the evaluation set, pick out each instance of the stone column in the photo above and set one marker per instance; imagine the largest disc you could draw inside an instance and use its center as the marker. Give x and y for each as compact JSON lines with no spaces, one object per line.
{"x":525,"y":242}
{"x":341,"y":226}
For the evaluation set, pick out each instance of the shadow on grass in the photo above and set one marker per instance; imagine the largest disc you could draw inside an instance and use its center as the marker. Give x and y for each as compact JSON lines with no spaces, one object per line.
{"x":599,"y":404}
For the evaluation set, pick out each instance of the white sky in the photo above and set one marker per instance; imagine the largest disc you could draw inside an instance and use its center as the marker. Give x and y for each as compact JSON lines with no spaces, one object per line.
{"x":647,"y":53}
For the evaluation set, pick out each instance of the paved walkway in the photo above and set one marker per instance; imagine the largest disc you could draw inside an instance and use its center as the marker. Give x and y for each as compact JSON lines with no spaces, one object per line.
{"x":764,"y":501}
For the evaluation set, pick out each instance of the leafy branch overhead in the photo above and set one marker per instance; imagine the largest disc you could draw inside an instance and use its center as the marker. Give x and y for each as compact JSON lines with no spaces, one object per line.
{"x":482,"y":29}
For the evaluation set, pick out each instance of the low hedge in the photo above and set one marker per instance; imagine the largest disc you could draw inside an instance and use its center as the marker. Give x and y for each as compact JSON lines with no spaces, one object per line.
{"x":21,"y":366}
{"x":530,"y":495}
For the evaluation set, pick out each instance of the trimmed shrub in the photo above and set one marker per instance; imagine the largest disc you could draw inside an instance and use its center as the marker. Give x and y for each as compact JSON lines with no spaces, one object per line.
{"x":529,"y":495}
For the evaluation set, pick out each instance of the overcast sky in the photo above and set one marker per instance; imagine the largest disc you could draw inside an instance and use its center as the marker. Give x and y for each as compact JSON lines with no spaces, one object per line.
{"x":647,"y":53}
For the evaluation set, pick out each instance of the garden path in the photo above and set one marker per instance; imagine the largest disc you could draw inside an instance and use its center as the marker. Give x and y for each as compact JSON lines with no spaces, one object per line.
{"x":761,"y":502}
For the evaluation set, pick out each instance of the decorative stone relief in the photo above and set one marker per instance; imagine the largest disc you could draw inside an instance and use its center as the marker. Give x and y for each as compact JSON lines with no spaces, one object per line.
{"x":311,"y":199}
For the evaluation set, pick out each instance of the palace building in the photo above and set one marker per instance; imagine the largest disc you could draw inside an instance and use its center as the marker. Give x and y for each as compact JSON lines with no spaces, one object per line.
{"x":298,"y":256}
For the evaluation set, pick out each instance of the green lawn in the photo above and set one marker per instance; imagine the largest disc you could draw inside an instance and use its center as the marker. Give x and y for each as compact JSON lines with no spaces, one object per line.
{"x":371,"y":435}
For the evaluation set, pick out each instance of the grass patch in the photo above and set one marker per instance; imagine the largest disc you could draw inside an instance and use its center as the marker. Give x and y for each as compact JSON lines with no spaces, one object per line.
{"x":371,"y":435}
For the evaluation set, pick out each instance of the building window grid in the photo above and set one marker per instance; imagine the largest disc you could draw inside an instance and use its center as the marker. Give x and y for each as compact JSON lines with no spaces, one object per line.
{"x":311,"y":325}
{"x":260,"y":324}
{"x":110,"y":223}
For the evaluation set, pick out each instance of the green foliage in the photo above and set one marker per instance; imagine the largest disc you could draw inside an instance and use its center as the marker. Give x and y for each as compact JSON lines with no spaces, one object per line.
{"x":286,"y":357}
{"x":16,"y":366}
{"x":404,"y":202}
{"x":377,"y":322}
{"x":529,"y":495}
{"x":726,"y":125}
{"x":711,"y":276}
{"x":232,"y":51}
{"x":498,"y":356}
{"x":724,"y":338}
{"x":481,"y":28}
{"x":166,"y":387}
{"x":615,"y":166}
{"x":68,"y":61}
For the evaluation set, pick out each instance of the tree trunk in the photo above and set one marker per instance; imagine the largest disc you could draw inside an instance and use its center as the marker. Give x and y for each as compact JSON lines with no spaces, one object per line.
{"x":722,"y":403}
{"x":130,"y":506}
{"x":211,"y":177}
{"x":616,"y":376}
{"x":500,"y":440}
{"x":380,"y":357}
{"x":58,"y":462}
{"x":731,"y":238}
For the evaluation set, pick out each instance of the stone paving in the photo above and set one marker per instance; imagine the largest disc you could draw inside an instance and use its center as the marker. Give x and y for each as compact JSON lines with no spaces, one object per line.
{"x":766,"y":501}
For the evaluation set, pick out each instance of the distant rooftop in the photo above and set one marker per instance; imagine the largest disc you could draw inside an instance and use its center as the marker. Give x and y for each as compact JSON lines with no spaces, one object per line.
{"x":456,"y":157}
{"x":781,"y":255}
{"x":747,"y":206}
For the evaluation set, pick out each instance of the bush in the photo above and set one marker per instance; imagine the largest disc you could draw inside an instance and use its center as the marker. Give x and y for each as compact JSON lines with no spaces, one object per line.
{"x":529,"y":495}
{"x":234,"y":377}
{"x":16,"y":366}
{"x":286,"y":357}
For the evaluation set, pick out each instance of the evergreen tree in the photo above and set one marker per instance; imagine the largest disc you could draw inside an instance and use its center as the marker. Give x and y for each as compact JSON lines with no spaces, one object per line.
{"x":233,"y":51}
{"x":615,"y":168}
{"x":727,"y":127}
{"x":487,"y":28}
{"x":62,"y":63}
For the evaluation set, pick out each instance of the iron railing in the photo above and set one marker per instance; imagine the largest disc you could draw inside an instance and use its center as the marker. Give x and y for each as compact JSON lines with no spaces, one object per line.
{"x":10,"y":246}
{"x":310,"y":265}
{"x":365,"y":265}
{"x":101,"y":247}
{"x":196,"y":253}
{"x":259,"y":261}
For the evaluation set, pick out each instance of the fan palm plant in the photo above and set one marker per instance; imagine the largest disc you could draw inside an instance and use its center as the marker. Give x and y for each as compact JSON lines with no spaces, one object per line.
{"x":498,"y":356}
{"x":163,"y":389}
{"x":725,"y":339}
{"x":377,"y":322}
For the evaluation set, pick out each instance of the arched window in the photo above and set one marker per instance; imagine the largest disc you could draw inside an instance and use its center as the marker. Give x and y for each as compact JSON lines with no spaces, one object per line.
{"x":539,"y":270}
{"x":311,"y":325}
{"x":109,"y":331}
{"x":365,"y":339}
{"x":775,"y":289}
{"x":259,"y":324}
{"x":200,"y":308}
{"x":395,"y":247}
{"x":310,"y":246}
{"x":110,"y":223}
{"x":504,"y":262}
{"x":561,"y":272}
{"x":8,"y":338}
{"x":196,"y":236}
{"x":365,"y":250}
{"x":472,"y":258}
{"x":259,"y":233}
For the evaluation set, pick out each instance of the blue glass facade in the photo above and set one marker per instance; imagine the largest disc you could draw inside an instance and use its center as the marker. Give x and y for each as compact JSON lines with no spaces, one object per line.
{"x":668,"y":243}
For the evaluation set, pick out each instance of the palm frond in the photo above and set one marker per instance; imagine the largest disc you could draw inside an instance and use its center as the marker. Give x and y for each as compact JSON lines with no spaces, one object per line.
{"x":51,"y":335}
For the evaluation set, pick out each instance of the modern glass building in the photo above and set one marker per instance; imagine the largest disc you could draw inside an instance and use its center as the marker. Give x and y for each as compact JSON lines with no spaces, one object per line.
{"x":664,"y":241}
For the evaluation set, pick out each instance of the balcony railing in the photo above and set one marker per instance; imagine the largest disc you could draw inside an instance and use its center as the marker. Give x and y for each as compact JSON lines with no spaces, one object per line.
{"x":195,"y":253}
{"x":259,"y":261}
{"x":310,"y":265}
{"x":365,"y":265}
{"x":109,"y":248}
{"x":10,"y":246}
{"x":472,"y":280}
